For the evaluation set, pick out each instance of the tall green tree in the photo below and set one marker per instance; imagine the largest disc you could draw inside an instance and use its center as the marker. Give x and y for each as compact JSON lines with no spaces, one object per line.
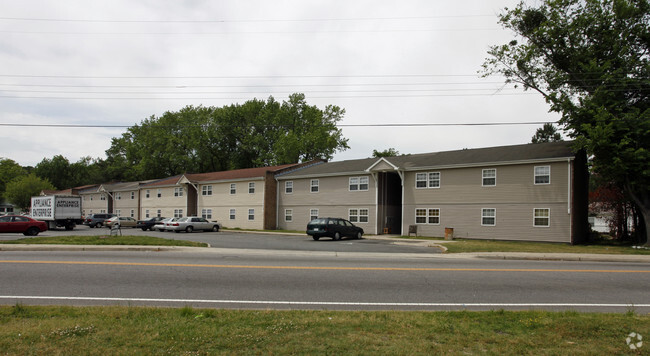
{"x":206,"y":139}
{"x":56,"y":170}
{"x":9,"y":170}
{"x":22,"y":189}
{"x":590,"y":60}
{"x":391,"y":152}
{"x":547,"y":133}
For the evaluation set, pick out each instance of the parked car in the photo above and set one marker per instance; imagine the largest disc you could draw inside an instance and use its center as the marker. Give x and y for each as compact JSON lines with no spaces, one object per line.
{"x":336,"y":228}
{"x":191,"y":223}
{"x":162,"y":224}
{"x":148,"y":224}
{"x":97,"y":220}
{"x":24,"y":224}
{"x":124,"y":221}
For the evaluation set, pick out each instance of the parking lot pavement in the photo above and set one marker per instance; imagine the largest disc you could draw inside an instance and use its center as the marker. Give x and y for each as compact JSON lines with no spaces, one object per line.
{"x":257,"y":241}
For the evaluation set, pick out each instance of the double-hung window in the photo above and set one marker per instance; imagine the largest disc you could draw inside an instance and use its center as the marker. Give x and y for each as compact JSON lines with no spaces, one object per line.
{"x":288,"y":215}
{"x":206,"y":190}
{"x":427,"y":180}
{"x":489,"y":177}
{"x":427,"y":216}
{"x":313,"y":214}
{"x":178,"y":192}
{"x":314,"y":186}
{"x":233,"y":214}
{"x":233,"y":188}
{"x":251,"y":214}
{"x":251,"y":188}
{"x":542,"y":217}
{"x":288,"y":187}
{"x":543,"y":175}
{"x":206,"y":213}
{"x":358,"y":183}
{"x":178,"y":213}
{"x":488,"y":217}
{"x":358,"y":215}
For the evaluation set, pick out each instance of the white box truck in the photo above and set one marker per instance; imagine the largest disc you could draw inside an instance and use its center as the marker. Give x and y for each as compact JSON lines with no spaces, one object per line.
{"x":57,"y":210}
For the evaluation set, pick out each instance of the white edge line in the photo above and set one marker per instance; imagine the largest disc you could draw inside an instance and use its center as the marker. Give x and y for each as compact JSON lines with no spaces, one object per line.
{"x":278,"y":302}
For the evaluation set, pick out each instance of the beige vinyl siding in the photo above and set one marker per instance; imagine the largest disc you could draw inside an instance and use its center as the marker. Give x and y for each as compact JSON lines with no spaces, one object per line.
{"x":461,"y":197}
{"x":167,"y":203}
{"x":126,"y":204}
{"x":221,"y":201}
{"x":334,"y":199}
{"x":94,"y":206}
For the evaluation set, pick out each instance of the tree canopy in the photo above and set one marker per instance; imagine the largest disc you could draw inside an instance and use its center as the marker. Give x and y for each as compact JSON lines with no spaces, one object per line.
{"x":590,"y":59}
{"x":206,"y":139}
{"x":9,"y":170}
{"x":547,"y":133}
{"x":20,"y":190}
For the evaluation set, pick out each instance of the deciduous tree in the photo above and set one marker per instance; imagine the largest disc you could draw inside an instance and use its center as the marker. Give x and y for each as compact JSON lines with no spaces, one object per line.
{"x":22,"y":189}
{"x":590,"y":59}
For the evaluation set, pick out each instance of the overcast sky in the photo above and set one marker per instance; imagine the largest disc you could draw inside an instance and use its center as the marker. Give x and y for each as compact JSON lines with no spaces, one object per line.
{"x":115,"y":63}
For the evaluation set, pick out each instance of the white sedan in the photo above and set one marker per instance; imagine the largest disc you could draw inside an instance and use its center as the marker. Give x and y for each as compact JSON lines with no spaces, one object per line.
{"x":191,"y":223}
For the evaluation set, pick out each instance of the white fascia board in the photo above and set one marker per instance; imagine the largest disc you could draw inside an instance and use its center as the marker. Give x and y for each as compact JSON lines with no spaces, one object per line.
{"x":490,"y":164}
{"x":338,"y":174}
{"x":204,"y":182}
{"x":381,"y":160}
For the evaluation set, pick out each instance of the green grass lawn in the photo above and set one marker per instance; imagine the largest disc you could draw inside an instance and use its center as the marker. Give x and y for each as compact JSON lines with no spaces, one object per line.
{"x":104,"y":240}
{"x":602,"y":246}
{"x":27,"y":330}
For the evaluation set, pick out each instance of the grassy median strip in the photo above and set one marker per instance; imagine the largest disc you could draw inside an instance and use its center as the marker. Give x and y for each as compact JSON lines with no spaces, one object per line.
{"x":40,"y":330}
{"x":104,"y":240}
{"x":539,"y":247}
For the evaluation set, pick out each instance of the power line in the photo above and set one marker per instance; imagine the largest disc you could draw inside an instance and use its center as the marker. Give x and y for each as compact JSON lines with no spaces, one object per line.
{"x":244,"y":76}
{"x":338,"y":125}
{"x":249,"y":20}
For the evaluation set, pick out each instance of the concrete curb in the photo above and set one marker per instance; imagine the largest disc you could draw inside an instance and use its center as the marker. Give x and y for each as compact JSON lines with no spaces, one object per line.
{"x":231,"y":251}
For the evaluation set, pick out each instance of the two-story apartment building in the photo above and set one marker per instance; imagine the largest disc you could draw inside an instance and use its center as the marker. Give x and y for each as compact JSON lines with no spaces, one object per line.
{"x":243,"y":198}
{"x":533,"y":192}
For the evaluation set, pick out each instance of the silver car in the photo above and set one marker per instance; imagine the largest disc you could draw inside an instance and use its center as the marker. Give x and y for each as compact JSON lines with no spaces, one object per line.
{"x":162,"y":224}
{"x":191,"y":223}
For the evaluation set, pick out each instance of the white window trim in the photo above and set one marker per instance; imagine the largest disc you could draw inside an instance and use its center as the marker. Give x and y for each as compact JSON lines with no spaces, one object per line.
{"x":311,"y":216}
{"x":251,"y":186}
{"x":288,"y":185}
{"x":312,"y":186}
{"x":427,"y":216}
{"x":232,"y":214}
{"x":483,"y":177}
{"x":251,"y":213}
{"x":427,"y":180}
{"x":549,"y":217}
{"x":483,"y":216}
{"x":206,"y":190}
{"x":535,"y":175}
{"x":288,"y":215}
{"x":233,"y":188}
{"x":358,"y":184}
{"x":356,"y":219}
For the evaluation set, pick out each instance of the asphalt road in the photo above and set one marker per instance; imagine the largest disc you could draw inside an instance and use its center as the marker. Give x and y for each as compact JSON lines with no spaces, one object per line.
{"x":222,"y":278}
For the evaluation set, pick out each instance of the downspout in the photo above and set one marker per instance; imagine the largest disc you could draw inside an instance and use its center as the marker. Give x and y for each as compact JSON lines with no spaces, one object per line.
{"x":401,"y":176}
{"x":569,"y":200}
{"x":377,"y":223}
{"x":277,"y":202}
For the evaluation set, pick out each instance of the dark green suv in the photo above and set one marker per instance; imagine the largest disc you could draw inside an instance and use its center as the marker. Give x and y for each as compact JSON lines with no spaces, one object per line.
{"x":336,"y":228}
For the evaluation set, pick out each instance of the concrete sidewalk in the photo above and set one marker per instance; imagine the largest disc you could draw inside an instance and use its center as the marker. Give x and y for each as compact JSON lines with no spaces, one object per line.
{"x":467,"y":255}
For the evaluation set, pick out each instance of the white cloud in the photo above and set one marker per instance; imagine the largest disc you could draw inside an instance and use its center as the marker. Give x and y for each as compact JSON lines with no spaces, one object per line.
{"x":160,"y":56}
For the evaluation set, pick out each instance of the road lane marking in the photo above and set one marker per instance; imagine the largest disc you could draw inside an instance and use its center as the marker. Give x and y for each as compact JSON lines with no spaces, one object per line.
{"x":147,"y":264}
{"x":322,"y":303}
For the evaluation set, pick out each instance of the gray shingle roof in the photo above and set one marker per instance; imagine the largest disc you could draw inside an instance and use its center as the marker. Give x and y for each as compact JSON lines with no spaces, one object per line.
{"x":459,"y":158}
